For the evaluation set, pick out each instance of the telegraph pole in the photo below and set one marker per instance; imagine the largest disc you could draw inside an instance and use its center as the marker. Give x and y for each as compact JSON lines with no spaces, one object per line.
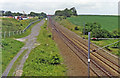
{"x":88,"y":54}
{"x":84,"y":31}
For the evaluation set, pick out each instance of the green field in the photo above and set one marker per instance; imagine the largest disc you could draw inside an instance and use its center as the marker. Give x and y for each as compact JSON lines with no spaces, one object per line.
{"x":109,"y":23}
{"x":44,"y":60}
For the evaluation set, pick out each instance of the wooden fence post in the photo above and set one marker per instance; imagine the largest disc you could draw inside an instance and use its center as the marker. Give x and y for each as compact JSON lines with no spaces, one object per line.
{"x":9,"y":33}
{"x":4,"y":34}
{"x":13,"y":33}
{"x":17,"y":32}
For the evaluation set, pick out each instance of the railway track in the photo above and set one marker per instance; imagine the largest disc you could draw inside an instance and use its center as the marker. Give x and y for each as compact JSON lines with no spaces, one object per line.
{"x":100,"y":65}
{"x":100,"y":56}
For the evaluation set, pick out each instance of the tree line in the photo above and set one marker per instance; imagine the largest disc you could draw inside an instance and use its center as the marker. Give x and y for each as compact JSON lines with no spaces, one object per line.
{"x":33,"y":14}
{"x":66,"y":12}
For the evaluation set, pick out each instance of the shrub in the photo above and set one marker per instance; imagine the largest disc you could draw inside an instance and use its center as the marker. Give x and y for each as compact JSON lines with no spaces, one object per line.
{"x":96,"y":30}
{"x":49,"y":35}
{"x":76,"y":28}
{"x":55,"y":60}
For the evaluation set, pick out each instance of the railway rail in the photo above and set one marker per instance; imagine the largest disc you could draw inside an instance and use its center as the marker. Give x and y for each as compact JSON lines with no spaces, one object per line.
{"x":100,"y":65}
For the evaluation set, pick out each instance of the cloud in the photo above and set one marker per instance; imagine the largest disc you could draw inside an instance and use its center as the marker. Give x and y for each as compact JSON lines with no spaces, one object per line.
{"x":49,"y":6}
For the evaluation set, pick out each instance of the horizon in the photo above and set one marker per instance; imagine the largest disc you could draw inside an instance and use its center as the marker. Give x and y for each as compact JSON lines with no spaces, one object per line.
{"x":53,"y":14}
{"x":99,"y":7}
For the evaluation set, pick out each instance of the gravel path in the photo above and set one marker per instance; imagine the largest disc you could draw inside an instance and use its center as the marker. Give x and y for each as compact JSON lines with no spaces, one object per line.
{"x":29,"y":44}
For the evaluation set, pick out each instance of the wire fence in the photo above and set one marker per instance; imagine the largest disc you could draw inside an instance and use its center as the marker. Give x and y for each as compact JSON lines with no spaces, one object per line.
{"x":6,"y":34}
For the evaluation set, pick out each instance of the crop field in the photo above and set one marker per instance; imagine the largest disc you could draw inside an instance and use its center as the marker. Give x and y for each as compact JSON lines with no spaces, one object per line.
{"x":44,"y":60}
{"x":109,"y":23}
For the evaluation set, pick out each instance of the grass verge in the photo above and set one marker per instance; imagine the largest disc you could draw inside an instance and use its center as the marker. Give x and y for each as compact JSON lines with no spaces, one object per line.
{"x":16,"y":64}
{"x":27,"y":32}
{"x":44,"y":60}
{"x":10,"y":24}
{"x":10,"y":48}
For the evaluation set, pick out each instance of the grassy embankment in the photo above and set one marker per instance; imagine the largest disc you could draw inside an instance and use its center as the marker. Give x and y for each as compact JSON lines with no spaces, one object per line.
{"x":16,"y":64}
{"x":11,"y":47}
{"x":10,"y":24}
{"x":109,"y":23}
{"x":44,"y":60}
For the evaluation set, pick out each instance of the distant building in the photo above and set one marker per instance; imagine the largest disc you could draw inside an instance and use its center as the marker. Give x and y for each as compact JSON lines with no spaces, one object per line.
{"x":50,"y":15}
{"x":21,"y":18}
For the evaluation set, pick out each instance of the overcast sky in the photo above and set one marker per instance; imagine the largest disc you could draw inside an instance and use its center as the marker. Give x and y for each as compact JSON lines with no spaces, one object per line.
{"x":50,"y":6}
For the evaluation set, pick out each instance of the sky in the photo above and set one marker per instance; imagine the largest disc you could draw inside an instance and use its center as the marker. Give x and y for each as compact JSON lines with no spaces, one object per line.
{"x":94,"y":7}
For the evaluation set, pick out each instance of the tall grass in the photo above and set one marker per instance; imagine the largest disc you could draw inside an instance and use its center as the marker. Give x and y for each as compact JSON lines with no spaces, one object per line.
{"x":10,"y":24}
{"x":10,"y":48}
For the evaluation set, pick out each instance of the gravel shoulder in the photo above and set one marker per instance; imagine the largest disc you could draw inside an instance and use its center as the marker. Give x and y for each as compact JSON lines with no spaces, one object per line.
{"x":75,"y":67}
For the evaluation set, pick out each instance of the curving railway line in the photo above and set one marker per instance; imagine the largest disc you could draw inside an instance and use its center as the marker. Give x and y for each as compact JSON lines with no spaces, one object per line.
{"x":102,"y":64}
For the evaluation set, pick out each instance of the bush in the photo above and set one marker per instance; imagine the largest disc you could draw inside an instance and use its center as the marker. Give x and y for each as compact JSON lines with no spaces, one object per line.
{"x":76,"y":28}
{"x":55,"y":60}
{"x":49,"y":35}
{"x":96,"y":30}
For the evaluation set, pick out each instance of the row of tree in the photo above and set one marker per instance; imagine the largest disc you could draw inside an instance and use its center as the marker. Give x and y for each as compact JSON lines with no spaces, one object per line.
{"x":66,"y":12}
{"x":40,"y":15}
{"x":9,"y":13}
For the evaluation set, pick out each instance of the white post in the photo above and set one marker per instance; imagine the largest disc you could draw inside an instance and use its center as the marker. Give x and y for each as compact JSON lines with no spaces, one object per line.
{"x":17,"y":32}
{"x":23,"y":31}
{"x":20,"y":32}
